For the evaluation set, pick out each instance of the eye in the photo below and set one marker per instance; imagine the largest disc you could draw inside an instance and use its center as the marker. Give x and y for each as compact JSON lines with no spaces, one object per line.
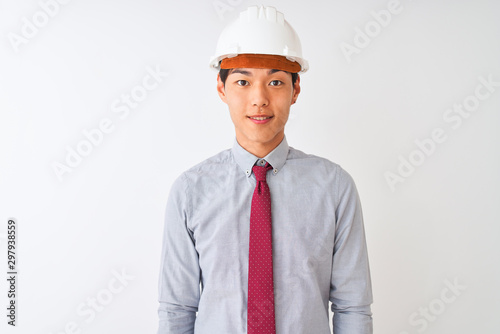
{"x":244,"y":82}
{"x":278,"y":82}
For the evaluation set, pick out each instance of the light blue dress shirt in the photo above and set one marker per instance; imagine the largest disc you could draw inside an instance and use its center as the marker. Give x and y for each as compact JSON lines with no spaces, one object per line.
{"x":319,"y":246}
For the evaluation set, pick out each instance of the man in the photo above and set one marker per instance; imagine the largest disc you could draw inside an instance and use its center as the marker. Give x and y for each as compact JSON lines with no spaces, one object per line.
{"x":272,"y":234}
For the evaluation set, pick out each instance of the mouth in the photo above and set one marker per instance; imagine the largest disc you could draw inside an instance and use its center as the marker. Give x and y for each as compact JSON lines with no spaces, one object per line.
{"x":260,"y":119}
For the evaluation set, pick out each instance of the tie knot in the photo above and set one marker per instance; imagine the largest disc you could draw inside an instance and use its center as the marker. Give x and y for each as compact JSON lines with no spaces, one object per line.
{"x":261,"y":171}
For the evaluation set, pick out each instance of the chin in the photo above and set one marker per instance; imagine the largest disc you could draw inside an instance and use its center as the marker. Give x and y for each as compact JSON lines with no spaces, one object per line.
{"x":263,"y":139}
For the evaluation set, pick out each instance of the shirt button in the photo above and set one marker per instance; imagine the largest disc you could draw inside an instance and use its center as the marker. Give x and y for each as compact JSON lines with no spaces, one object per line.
{"x":262,"y":162}
{"x":275,"y":171}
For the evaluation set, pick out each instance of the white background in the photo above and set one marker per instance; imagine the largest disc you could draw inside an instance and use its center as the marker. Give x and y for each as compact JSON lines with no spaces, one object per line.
{"x":440,"y":225}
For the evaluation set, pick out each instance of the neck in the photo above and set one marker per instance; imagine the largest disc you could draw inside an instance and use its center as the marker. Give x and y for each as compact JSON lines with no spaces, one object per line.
{"x":260,"y":149}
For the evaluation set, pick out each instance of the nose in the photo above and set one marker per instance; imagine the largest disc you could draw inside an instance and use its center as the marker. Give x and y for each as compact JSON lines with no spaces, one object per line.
{"x":259,"y":97}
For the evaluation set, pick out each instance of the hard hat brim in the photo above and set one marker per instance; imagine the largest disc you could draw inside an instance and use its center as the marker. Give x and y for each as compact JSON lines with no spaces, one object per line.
{"x":249,"y":60}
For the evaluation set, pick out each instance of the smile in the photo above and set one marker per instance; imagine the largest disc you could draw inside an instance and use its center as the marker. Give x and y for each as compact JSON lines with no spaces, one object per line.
{"x":260,"y":118}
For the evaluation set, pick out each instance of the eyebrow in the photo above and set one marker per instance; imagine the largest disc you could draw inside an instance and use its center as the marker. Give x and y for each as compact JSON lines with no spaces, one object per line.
{"x":238,"y":70}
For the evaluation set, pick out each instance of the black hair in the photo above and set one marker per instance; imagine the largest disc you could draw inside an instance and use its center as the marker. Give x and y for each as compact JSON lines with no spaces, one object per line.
{"x":224,"y":72}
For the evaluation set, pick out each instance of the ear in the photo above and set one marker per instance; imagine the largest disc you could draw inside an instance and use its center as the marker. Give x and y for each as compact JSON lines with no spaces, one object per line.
{"x":296,"y":89}
{"x":220,"y":89}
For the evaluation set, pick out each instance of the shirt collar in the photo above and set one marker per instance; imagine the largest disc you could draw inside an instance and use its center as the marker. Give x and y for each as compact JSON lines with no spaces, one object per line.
{"x":246,"y":160}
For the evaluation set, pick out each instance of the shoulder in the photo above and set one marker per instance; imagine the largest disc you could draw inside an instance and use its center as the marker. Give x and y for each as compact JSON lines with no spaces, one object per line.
{"x":315,"y":162}
{"x":214,"y":161}
{"x":199,"y":174}
{"x":206,"y":167}
{"x":326,"y":168}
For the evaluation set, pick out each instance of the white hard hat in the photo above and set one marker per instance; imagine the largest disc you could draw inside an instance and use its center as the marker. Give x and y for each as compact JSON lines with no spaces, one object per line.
{"x":259,"y":30}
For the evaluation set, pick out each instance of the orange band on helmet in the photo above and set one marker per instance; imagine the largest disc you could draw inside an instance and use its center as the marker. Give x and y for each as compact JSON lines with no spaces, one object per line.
{"x":250,"y":60}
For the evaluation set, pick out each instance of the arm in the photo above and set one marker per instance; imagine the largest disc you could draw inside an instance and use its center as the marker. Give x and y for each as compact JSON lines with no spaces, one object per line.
{"x":179,"y":281}
{"x":350,"y":288}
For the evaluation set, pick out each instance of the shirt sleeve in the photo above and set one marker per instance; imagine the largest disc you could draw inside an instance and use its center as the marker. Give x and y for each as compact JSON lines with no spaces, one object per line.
{"x":350,"y":288}
{"x":179,"y":278}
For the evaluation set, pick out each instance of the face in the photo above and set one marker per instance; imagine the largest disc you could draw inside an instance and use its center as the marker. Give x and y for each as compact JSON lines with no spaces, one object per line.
{"x":259,"y":103}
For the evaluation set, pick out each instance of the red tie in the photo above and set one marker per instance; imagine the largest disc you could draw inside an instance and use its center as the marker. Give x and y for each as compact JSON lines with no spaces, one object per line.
{"x":260,"y":316}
